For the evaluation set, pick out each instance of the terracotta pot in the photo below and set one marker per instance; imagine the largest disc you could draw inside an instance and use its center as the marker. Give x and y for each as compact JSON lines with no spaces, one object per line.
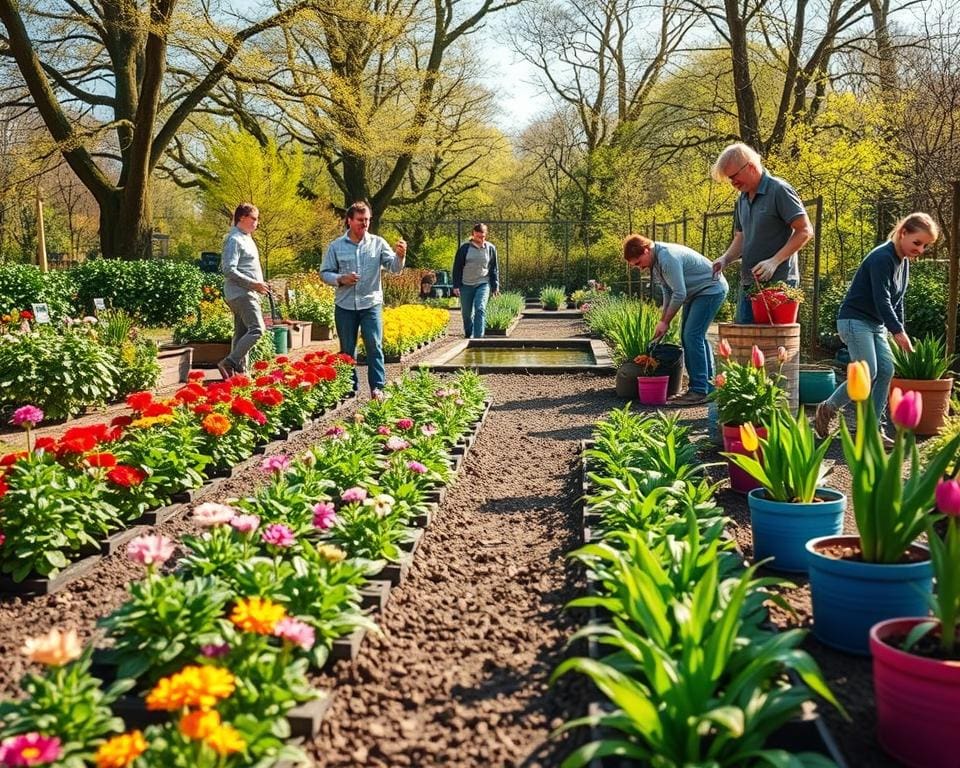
{"x":917,"y":701}
{"x":936,"y":401}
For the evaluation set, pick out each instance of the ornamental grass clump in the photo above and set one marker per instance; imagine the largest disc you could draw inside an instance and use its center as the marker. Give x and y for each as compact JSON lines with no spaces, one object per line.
{"x":552,"y":296}
{"x":928,"y":361}
{"x":891,"y":512}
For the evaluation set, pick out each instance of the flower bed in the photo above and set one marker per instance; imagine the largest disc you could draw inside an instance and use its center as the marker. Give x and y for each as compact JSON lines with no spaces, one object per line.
{"x":408,"y":327}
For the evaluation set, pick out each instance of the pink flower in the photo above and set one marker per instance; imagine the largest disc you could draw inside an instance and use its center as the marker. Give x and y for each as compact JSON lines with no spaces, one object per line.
{"x":29,"y":749}
{"x":756,"y":357}
{"x":210,"y":514}
{"x":416,"y":467}
{"x":150,"y":550}
{"x":429,"y":430}
{"x":215,"y":650}
{"x":278,"y":535}
{"x":324,"y":515}
{"x":353,"y":494}
{"x":720,"y":379}
{"x":27,"y":416}
{"x":245,"y":523}
{"x":905,"y":408}
{"x":948,"y":497}
{"x":441,"y":393}
{"x":459,"y":401}
{"x":383,"y":429}
{"x":396,"y":444}
{"x":336,"y":432}
{"x":275,"y":465}
{"x":3,"y":538}
{"x":782,"y":355}
{"x":404,"y":423}
{"x":724,"y":349}
{"x":295,"y":632}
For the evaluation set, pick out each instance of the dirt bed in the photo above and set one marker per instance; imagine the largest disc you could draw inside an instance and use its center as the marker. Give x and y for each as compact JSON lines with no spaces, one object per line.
{"x":459,"y":675}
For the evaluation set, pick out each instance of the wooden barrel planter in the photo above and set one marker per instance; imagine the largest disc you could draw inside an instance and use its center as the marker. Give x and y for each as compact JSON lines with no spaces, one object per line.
{"x":175,"y":363}
{"x":769,"y":338}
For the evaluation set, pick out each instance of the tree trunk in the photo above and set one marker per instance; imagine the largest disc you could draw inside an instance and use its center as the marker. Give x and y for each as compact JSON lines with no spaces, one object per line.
{"x":748,"y":117}
{"x":126,"y":232}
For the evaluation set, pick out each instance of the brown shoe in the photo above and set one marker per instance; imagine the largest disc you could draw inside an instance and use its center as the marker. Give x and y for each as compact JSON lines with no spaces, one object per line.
{"x":225,"y":368}
{"x":690,"y":398}
{"x":823,"y":420}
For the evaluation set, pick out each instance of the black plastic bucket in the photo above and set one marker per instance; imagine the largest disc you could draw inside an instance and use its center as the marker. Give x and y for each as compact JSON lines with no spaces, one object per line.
{"x":670,"y":357}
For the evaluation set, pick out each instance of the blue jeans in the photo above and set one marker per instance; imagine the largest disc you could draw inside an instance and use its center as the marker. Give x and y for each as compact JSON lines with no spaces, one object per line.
{"x":744,"y":314}
{"x":473,"y":305}
{"x":248,"y":327}
{"x":698,"y":313}
{"x":866,"y":341}
{"x":368,"y":322}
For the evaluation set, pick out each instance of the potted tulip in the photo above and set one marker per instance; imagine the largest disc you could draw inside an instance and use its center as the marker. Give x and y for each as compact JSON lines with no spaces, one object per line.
{"x":651,"y":387}
{"x":791,"y":506}
{"x":745,"y":394}
{"x":881,"y":573}
{"x":916,"y":675}
{"x":925,"y":371}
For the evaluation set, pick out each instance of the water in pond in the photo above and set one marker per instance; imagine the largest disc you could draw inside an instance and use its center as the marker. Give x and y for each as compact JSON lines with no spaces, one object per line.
{"x":522,"y":356}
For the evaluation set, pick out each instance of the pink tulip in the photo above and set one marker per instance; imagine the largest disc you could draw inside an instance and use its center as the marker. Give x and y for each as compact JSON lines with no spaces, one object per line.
{"x":948,"y":497}
{"x":782,"y":355}
{"x":724,"y":349}
{"x":908,"y":409}
{"x":756,"y":357}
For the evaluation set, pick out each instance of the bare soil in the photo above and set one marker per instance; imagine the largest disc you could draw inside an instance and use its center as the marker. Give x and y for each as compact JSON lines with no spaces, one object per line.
{"x":459,"y":675}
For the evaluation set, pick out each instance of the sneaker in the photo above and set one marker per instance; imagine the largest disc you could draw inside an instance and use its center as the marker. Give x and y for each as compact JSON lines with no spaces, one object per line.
{"x":225,"y":368}
{"x":823,"y":419}
{"x":690,"y":398}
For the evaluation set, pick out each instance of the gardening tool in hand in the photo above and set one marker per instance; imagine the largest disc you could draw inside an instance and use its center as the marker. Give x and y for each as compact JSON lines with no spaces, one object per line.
{"x":763,"y":298}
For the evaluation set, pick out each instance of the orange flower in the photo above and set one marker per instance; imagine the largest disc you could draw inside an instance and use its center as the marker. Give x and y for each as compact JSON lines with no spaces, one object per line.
{"x":258,"y":615}
{"x":200,"y":723}
{"x":226,"y":740}
{"x":121,"y":750}
{"x":53,"y":649}
{"x":858,"y":381}
{"x":216,"y":424}
{"x":192,"y":686}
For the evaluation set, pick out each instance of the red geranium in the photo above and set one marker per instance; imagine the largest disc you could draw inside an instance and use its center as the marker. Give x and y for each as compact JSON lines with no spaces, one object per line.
{"x":26,"y":314}
{"x":280,"y":359}
{"x":203,"y":408}
{"x":97,"y":432}
{"x":261,"y":365}
{"x":125,"y":476}
{"x":158,"y":409}
{"x":196,"y":376}
{"x":12,"y":458}
{"x":45,"y":444}
{"x":121,"y":421}
{"x":77,"y":444}
{"x":3,"y":492}
{"x":341,"y":357}
{"x":326,"y":372}
{"x":102,"y":460}
{"x":268,"y":397}
{"x":139,"y":400}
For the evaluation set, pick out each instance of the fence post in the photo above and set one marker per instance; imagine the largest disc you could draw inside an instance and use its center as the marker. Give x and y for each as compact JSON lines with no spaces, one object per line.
{"x":685,"y":219}
{"x":703,"y":238}
{"x":815,"y":310}
{"x":506,"y":266}
{"x":954,"y":289}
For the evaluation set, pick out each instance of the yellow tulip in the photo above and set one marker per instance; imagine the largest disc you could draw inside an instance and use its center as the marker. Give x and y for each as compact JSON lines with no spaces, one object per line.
{"x":748,"y":436}
{"x":858,"y":381}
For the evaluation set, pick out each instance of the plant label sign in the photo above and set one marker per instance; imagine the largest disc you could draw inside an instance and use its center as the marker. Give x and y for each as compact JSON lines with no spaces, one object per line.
{"x":291,"y":295}
{"x":41,"y":313}
{"x":99,"y":304}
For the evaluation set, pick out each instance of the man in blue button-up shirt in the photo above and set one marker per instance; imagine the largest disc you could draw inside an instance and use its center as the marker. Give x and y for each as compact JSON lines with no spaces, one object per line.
{"x":353,"y":264}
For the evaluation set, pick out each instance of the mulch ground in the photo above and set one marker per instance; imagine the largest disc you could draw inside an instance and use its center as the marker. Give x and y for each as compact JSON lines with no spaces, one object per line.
{"x":459,"y":674}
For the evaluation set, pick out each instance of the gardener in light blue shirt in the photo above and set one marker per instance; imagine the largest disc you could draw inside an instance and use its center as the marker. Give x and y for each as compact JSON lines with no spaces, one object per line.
{"x":687,"y":281}
{"x":353,"y":264}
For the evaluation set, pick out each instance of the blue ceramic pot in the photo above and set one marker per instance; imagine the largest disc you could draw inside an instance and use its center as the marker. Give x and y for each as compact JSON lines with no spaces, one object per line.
{"x":781,"y":530}
{"x":816,"y":384}
{"x":850,"y":596}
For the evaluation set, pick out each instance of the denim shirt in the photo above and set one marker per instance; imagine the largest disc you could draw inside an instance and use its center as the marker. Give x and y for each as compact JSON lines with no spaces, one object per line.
{"x":366,"y":258}
{"x":240,"y":264}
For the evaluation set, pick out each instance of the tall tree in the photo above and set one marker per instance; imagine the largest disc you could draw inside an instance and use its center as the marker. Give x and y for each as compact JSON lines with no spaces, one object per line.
{"x":97,"y":69}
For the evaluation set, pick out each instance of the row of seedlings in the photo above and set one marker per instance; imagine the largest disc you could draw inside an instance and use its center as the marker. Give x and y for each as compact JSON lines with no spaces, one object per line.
{"x":212,"y":659}
{"x":688,"y":667}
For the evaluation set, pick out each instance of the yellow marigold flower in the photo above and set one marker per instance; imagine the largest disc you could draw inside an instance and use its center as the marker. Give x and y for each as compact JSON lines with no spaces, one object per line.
{"x":54,"y":649}
{"x":226,"y":740}
{"x":255,"y":614}
{"x":858,"y":380}
{"x":331,"y":553}
{"x":748,"y":436}
{"x":192,"y":686}
{"x":121,"y":750}
{"x":200,"y":723}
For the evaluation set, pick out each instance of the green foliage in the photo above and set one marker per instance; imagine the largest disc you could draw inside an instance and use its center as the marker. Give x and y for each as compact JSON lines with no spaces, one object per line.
{"x":212,"y":321}
{"x":745,"y":394}
{"x":925,"y":305}
{"x":24,"y":284}
{"x":313,"y":299}
{"x":552,"y":296}
{"x":627,"y":325}
{"x":61,"y":373}
{"x":937,"y":444}
{"x":503,"y":310}
{"x":136,"y":357}
{"x":436,"y":253}
{"x":156,"y":292}
{"x":928,"y":361}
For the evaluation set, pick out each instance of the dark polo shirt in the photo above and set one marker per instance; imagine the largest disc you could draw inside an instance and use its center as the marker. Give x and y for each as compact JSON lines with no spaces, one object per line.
{"x":765,"y":224}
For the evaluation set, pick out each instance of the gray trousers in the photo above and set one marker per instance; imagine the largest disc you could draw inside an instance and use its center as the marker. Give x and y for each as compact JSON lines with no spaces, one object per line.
{"x":248,"y":327}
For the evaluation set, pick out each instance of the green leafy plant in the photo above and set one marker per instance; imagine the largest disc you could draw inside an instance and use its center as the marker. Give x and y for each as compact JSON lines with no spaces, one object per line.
{"x":746,"y":393}
{"x":24,"y":284}
{"x":776,"y":293}
{"x":313,"y":300}
{"x":212,"y":321}
{"x":789,"y":464}
{"x":929,"y":360}
{"x":552,"y":296}
{"x":367,"y":527}
{"x":503,"y":309}
{"x":136,"y":357}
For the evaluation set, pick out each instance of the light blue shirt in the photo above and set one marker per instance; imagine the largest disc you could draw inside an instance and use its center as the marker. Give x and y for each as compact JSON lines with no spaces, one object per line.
{"x":366,"y":258}
{"x":684,"y":274}
{"x":240,"y":264}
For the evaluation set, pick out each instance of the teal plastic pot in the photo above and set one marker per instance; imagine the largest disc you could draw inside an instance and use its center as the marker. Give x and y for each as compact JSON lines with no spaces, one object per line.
{"x":782,"y":529}
{"x":850,"y":596}
{"x":817,"y":383}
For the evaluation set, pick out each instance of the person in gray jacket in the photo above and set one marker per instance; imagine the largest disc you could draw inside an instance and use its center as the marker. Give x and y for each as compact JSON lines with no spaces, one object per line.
{"x":687,"y":281}
{"x":242,"y":286}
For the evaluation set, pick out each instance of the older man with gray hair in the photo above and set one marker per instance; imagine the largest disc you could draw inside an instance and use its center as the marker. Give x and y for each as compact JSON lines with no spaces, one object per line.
{"x":770,"y":224}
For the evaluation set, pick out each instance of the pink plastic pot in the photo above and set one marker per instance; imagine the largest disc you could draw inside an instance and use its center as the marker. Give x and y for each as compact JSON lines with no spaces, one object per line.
{"x":917,"y":701}
{"x":652,"y":390}
{"x":740,"y":481}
